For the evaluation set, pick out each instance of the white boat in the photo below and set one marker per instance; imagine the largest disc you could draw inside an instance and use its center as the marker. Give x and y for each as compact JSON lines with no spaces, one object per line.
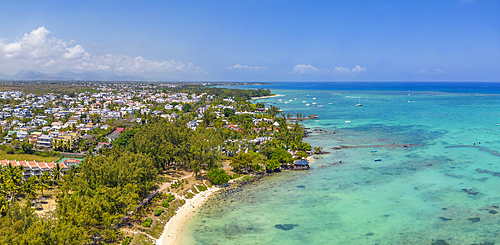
{"x":290,"y":100}
{"x":295,"y":99}
{"x":359,"y":103}
{"x":347,"y":121}
{"x":304,"y":101}
{"x":319,"y":106}
{"x":286,"y":102}
{"x":330,"y":103}
{"x":280,"y":100}
{"x":314,"y":103}
{"x":308,"y":104}
{"x":314,"y":98}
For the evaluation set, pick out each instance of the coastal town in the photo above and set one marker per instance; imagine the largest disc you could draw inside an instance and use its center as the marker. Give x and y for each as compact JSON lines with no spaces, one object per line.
{"x":188,"y":139}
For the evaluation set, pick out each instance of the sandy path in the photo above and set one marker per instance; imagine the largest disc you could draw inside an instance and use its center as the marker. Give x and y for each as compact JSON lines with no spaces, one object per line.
{"x":172,"y":229}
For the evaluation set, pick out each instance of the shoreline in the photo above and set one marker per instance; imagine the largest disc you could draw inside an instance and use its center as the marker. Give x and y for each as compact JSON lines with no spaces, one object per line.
{"x":310,"y":159}
{"x":171,"y":231}
{"x":265,"y":97}
{"x":170,"y":234}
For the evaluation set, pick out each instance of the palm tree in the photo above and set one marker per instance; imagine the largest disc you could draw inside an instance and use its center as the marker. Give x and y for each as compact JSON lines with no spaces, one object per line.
{"x":14,"y":174}
{"x":43,"y":181}
{"x":29,"y":188}
{"x":12,"y":177}
{"x":4,"y":205}
{"x":57,"y":173}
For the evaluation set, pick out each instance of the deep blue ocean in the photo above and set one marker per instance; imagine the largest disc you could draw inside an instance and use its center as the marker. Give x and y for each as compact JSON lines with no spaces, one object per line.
{"x":444,"y":189}
{"x":448,"y":87}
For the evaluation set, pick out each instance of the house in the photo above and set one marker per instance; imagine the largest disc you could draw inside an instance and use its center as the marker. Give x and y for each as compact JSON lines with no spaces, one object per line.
{"x":33,"y":168}
{"x":89,"y":126}
{"x":67,"y":139}
{"x":115,"y":134}
{"x":22,"y":135}
{"x":260,"y":140}
{"x":71,"y":162}
{"x":73,"y":120}
{"x":54,"y":134}
{"x":44,"y":141}
{"x":11,"y":135}
{"x":101,"y":145}
{"x":168,"y":107}
{"x":33,"y":138}
{"x":178,"y":107}
{"x":192,"y":125}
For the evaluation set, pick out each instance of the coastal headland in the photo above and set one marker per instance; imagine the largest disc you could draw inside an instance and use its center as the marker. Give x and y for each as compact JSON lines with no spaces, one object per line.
{"x":152,"y":157}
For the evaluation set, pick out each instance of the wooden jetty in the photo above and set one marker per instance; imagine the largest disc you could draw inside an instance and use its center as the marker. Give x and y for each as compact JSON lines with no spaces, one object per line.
{"x":373,"y":146}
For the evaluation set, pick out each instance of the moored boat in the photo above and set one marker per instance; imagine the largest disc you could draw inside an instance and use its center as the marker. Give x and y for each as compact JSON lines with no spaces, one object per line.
{"x":359,"y":102}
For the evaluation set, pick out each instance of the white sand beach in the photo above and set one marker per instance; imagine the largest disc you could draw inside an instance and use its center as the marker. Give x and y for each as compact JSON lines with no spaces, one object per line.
{"x":265,"y":97}
{"x":173,"y":227}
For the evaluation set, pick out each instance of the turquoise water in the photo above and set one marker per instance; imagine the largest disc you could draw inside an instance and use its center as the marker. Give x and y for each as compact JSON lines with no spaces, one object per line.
{"x":412,"y":196}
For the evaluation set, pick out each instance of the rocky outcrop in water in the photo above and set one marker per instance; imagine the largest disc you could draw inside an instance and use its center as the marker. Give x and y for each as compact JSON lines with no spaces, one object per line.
{"x":285,"y":227}
{"x":470,"y":191}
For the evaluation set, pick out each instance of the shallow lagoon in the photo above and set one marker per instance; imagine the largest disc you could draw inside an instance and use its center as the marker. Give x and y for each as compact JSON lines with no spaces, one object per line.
{"x":413,"y":196}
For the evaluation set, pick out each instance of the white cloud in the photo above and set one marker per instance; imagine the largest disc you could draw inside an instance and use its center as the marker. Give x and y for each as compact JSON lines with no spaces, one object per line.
{"x":422,"y":72}
{"x":303,"y":69}
{"x":358,"y":69}
{"x":247,"y":67}
{"x":75,"y":52}
{"x":439,"y":71}
{"x":37,"y":50}
{"x":341,"y":70}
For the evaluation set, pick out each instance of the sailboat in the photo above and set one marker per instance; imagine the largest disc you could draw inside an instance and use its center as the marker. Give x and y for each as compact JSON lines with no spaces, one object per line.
{"x":347,"y":121}
{"x":359,"y":102}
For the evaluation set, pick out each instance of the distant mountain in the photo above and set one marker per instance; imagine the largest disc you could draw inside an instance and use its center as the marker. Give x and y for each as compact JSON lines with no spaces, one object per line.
{"x":34,"y":75}
{"x":4,"y":76}
{"x":68,"y":75}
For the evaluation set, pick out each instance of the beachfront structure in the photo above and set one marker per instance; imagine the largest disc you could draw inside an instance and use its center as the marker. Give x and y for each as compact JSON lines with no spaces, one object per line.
{"x":301,"y":165}
{"x":34,"y":168}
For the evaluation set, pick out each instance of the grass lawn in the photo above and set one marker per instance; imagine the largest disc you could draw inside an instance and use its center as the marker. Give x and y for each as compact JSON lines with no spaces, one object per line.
{"x":27,"y":157}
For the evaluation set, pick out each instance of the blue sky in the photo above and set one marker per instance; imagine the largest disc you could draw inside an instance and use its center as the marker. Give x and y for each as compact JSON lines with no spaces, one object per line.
{"x":414,"y":40}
